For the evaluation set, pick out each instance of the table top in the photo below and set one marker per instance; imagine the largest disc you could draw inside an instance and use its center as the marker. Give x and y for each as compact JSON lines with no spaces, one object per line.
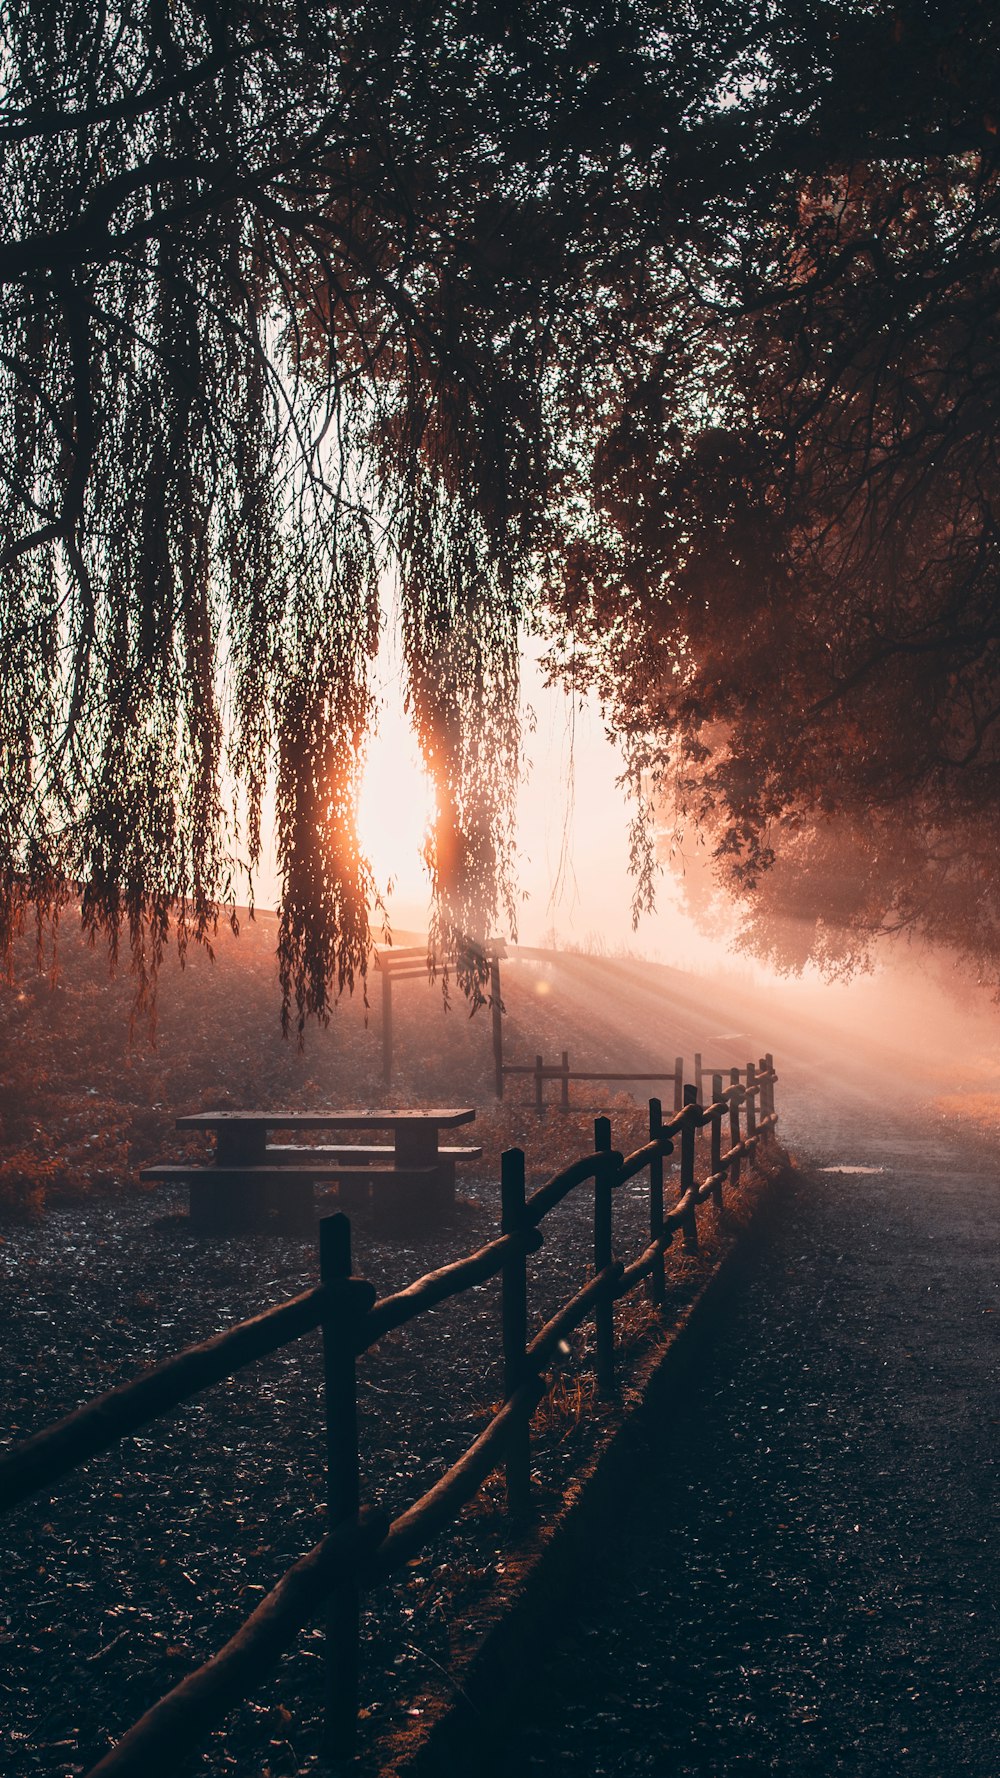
{"x":444,"y":1118}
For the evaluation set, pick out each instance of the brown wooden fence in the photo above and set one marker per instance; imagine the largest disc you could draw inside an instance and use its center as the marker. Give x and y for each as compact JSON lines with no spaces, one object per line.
{"x":362,"y":1546}
{"x":541,"y":1071}
{"x":415,"y":962}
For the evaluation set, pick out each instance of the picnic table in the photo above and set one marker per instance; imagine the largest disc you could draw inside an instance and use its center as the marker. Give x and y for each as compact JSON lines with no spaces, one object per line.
{"x":253,"y":1181}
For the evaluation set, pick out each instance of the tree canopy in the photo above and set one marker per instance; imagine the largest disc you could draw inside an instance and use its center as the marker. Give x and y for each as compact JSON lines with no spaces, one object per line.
{"x":294,"y":296}
{"x":792,"y":606}
{"x":680,"y":318}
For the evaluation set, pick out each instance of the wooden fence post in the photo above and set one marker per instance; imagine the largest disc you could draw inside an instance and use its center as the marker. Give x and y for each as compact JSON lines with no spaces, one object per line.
{"x":716,"y":1161}
{"x":657,"y":1287}
{"x":386,"y":1023}
{"x":539,"y":1102}
{"x":604,"y":1314}
{"x":496,"y":1014}
{"x":341,"y":1650}
{"x":515,"y":1330}
{"x":769,"y":1065}
{"x":698,"y":1078}
{"x":688,"y":1130}
{"x":734,"y":1125}
{"x":564,"y":1083}
{"x":751,"y":1100}
{"x":678,"y":1082}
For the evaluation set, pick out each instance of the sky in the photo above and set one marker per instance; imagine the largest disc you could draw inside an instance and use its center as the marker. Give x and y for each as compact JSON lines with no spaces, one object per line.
{"x":576,"y":890}
{"x":573,"y":821}
{"x":573,"y":828}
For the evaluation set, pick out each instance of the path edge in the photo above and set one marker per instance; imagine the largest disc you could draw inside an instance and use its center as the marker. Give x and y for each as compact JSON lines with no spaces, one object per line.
{"x":507,"y":1629}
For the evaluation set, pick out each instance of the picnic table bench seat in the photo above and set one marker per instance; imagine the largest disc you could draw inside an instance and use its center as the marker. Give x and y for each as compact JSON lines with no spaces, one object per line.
{"x":280,"y":1152}
{"x":223,"y":1198}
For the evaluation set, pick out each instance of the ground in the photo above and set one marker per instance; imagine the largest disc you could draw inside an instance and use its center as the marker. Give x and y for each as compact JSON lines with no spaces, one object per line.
{"x":807,"y":1578}
{"x":137,"y":1566}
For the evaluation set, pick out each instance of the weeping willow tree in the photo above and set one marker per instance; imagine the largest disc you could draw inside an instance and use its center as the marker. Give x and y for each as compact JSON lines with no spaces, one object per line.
{"x":542,"y":301}
{"x":292,"y":297}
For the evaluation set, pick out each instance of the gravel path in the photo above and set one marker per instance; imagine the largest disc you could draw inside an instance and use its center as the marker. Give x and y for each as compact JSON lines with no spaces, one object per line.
{"x":807,"y":1579}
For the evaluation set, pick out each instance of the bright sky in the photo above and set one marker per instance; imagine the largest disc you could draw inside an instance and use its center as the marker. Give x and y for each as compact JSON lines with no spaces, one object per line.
{"x":572,"y":828}
{"x":585,"y":895}
{"x":573,"y":825}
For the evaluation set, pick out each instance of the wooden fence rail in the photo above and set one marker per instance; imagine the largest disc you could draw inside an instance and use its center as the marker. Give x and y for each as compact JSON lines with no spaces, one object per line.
{"x":418,"y":962}
{"x":541,"y":1071}
{"x":362,"y":1547}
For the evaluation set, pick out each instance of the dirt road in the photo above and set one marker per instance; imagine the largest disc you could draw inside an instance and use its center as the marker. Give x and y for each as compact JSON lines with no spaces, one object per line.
{"x":807,"y":1578}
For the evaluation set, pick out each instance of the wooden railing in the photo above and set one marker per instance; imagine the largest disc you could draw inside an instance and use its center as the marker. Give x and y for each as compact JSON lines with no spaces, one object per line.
{"x":362,"y":1546}
{"x":417,"y":962}
{"x":541,"y":1071}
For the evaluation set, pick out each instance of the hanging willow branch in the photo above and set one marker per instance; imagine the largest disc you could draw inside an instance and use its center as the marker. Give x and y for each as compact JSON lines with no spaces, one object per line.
{"x":291,"y":297}
{"x":461,"y":643}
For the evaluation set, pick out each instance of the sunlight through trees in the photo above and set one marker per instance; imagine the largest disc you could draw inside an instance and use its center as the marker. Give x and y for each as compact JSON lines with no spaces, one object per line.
{"x":618,"y":314}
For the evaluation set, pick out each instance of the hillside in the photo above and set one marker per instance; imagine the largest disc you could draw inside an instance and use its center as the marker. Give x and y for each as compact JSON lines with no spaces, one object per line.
{"x":83,"y":1105}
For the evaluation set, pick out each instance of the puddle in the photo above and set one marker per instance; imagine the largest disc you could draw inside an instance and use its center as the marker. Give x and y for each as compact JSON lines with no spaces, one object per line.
{"x":850,"y":1167}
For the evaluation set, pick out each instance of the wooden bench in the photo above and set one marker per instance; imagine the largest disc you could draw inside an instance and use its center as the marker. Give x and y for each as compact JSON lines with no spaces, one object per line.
{"x":279,"y":1152}
{"x":255,"y":1184}
{"x":360,"y":1154}
{"x":228,"y":1200}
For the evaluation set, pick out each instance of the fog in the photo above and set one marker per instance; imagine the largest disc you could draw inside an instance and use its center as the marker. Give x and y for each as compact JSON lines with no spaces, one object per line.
{"x":918,"y":1015}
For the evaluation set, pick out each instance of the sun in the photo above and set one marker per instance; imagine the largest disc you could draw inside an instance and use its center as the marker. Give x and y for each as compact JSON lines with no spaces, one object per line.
{"x":395,"y":808}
